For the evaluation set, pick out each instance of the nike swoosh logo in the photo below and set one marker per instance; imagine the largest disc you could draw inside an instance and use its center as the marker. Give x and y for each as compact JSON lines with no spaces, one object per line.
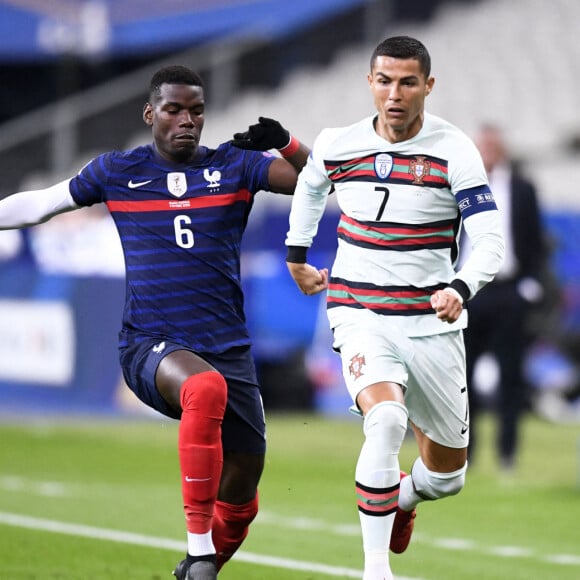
{"x":190,"y":479}
{"x":133,"y":184}
{"x":377,"y":502}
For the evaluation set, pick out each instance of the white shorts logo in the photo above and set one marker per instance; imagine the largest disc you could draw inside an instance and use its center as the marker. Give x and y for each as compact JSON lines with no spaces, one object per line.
{"x":357,"y":362}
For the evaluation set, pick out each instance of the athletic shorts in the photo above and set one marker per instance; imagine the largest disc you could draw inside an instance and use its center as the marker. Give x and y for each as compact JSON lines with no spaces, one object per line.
{"x":430,"y":369}
{"x":243,"y":427}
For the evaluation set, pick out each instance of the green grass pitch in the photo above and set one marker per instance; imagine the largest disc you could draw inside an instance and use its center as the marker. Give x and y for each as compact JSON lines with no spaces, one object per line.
{"x":100,"y":500}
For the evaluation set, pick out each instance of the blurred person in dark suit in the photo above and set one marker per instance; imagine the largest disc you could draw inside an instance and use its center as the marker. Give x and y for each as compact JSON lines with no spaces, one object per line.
{"x":499,"y":314}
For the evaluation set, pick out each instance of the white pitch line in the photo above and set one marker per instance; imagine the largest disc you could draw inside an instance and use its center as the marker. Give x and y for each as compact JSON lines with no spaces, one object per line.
{"x":32,"y":523}
{"x":456,"y":544}
{"x":51,"y":488}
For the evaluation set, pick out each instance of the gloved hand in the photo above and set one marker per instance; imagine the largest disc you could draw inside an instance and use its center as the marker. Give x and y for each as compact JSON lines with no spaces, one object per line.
{"x":264,"y":135}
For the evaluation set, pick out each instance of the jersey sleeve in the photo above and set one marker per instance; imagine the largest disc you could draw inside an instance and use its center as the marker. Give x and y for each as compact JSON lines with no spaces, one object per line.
{"x":468,"y":180}
{"x":257,"y":164}
{"x":487,"y":250}
{"x":480,"y":217}
{"x":310,"y":196}
{"x":89,"y":185}
{"x":29,"y":208}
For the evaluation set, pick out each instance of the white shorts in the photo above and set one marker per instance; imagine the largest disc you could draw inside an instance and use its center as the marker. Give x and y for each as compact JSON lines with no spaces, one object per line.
{"x":431,"y":370}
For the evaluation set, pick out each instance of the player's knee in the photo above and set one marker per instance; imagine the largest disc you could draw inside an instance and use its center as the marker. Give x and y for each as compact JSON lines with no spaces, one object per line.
{"x":388,"y":421}
{"x":205,"y":392}
{"x":431,"y":485}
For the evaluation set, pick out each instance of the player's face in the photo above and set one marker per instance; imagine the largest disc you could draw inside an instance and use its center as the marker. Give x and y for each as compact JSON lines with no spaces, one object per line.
{"x":399,"y":89}
{"x":176,"y":118}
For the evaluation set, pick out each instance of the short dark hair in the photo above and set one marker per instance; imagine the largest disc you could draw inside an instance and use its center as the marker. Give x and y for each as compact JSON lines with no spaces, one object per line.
{"x":404,"y":47}
{"x":173,"y":75}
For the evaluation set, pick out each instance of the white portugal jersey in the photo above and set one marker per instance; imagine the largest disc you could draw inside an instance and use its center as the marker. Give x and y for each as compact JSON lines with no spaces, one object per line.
{"x":401,"y":206}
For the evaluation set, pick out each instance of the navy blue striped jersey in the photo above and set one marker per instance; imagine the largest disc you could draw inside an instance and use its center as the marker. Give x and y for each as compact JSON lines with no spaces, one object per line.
{"x":181,"y":228}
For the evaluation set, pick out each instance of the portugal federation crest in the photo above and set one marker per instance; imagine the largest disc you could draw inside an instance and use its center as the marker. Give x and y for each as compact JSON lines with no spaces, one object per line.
{"x":419,"y":168}
{"x":355,"y":368}
{"x":176,"y":183}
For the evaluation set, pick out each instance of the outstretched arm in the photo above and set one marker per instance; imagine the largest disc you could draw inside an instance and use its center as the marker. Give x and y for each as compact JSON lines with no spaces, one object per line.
{"x":29,"y":208}
{"x":270,"y":134}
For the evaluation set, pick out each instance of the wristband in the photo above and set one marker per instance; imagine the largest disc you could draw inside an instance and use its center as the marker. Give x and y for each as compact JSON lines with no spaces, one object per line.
{"x":296,"y":254}
{"x":461,"y":288}
{"x":291,"y":148}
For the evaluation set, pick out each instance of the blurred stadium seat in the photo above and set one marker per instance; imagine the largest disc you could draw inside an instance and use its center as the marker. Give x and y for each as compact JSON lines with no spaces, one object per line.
{"x":513,"y":63}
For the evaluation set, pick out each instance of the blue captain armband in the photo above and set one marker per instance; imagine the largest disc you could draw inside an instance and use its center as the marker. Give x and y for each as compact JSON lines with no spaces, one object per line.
{"x":475,"y":200}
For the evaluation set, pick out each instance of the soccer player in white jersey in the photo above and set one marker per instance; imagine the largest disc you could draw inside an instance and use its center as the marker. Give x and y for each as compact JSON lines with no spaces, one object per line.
{"x":404,"y":180}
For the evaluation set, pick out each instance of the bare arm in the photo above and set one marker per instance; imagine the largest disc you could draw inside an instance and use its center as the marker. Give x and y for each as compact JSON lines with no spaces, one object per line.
{"x":283,"y":173}
{"x":28,"y":208}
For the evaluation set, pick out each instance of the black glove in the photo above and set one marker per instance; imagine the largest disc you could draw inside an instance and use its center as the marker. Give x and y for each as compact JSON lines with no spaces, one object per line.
{"x":264,"y":135}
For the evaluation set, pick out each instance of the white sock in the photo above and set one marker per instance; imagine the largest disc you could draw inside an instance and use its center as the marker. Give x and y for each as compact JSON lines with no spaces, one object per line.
{"x":377,"y":476}
{"x":200,"y":544}
{"x":376,"y":568}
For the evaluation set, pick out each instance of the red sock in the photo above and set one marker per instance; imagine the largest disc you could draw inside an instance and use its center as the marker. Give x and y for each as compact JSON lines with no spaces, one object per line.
{"x":203,"y":400}
{"x":230,"y":527}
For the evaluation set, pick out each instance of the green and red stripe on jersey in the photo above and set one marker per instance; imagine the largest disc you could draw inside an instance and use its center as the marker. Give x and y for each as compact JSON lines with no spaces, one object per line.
{"x":394,"y":236}
{"x":377,"y":501}
{"x":397,"y":300}
{"x":434,"y":172}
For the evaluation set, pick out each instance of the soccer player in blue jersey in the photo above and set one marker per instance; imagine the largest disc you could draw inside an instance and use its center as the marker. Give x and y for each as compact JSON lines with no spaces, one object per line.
{"x":180,"y":209}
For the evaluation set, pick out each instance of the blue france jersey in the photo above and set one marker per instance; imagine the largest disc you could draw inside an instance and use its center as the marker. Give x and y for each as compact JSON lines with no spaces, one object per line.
{"x":181,"y":228}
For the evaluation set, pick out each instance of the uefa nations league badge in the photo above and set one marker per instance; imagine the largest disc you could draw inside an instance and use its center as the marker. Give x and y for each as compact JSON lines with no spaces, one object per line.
{"x":383,"y":165}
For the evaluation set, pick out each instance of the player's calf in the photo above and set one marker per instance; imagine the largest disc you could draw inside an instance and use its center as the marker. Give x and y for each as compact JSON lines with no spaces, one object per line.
{"x":230,"y":527}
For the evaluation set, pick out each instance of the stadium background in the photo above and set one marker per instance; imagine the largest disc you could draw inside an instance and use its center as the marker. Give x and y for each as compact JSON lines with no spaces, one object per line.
{"x":73,"y":77}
